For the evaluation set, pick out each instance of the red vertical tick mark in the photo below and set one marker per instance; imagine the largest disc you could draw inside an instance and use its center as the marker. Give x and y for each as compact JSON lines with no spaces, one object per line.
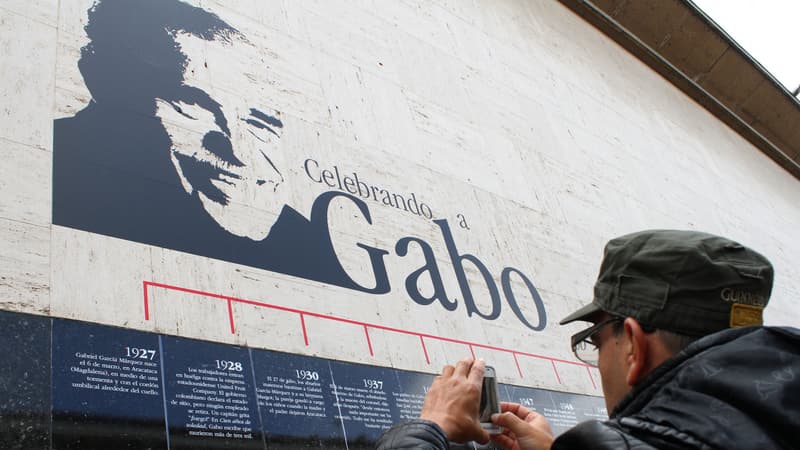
{"x":230,"y":316}
{"x":516,"y":361}
{"x":472,"y":350}
{"x":146,"y":302}
{"x":303,"y":325}
{"x":555,"y":371}
{"x":369,"y":342}
{"x":424,"y":349}
{"x":594,"y":385}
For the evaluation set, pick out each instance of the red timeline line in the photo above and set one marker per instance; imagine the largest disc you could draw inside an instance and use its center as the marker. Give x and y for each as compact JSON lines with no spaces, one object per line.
{"x":556,"y":371}
{"x":302,"y":314}
{"x":230,"y":315}
{"x":425,"y":350}
{"x":589,"y":371}
{"x":516,"y":361}
{"x":303,"y":324}
{"x":146,"y":302}
{"x":369,"y":342}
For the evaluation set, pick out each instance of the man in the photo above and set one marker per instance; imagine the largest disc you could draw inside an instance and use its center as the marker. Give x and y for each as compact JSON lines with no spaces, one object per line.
{"x":179,"y":147}
{"x":683,"y":359}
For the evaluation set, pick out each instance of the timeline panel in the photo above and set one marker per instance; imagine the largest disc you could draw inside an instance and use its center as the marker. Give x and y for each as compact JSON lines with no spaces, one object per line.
{"x":106,"y":388}
{"x":295,"y":401}
{"x":563,"y":410}
{"x":410,"y":395}
{"x":364,"y":401}
{"x":210,"y":397}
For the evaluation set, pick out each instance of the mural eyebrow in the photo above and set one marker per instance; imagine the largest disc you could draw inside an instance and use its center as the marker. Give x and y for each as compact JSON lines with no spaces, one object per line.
{"x":261,"y":125}
{"x":274,"y":121}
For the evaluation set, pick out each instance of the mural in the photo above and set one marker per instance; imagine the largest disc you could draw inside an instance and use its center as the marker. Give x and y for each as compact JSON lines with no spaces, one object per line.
{"x":161,"y":159}
{"x":161,"y":156}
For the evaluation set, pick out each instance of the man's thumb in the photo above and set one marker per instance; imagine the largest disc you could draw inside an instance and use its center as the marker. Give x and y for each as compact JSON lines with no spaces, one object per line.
{"x":509,"y":421}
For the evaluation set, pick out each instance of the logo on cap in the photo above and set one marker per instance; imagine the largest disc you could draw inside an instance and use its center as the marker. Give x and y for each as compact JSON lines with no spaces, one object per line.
{"x":746,"y":315}
{"x":744,"y":297}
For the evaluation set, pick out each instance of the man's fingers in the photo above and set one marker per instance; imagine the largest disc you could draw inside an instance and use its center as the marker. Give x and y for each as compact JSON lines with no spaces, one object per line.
{"x":477,"y":371}
{"x":515,"y":408}
{"x":453,"y":399}
{"x":503,"y":440}
{"x":524,"y":426}
{"x":510,"y":421}
{"x":484,"y":438}
{"x":447,"y":371}
{"x":462,"y":367}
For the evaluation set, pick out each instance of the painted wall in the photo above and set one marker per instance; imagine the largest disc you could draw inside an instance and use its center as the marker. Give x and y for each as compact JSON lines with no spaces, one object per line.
{"x":233,"y":172}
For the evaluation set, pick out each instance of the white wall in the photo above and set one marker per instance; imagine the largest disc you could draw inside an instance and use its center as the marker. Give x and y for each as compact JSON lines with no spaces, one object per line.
{"x":541,"y":133}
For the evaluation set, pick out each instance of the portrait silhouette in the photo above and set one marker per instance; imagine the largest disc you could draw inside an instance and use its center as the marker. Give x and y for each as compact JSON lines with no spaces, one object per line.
{"x":161,"y":158}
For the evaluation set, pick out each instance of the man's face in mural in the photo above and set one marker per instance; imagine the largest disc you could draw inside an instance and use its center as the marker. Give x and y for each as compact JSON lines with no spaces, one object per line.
{"x":224,"y":140}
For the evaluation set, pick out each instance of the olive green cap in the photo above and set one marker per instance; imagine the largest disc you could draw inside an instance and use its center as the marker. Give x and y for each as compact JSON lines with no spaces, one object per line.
{"x":686,"y":282}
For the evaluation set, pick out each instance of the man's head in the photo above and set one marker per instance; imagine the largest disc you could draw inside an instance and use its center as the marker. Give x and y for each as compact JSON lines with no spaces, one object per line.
{"x":660,"y":289}
{"x":202,"y":79}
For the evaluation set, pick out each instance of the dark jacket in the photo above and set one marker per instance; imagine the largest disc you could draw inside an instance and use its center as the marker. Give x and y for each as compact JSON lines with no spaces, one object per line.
{"x":415,"y":434}
{"x":736,"y":389}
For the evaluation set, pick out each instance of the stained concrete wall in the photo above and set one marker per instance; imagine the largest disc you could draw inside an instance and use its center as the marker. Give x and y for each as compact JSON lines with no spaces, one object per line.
{"x":532,"y":135}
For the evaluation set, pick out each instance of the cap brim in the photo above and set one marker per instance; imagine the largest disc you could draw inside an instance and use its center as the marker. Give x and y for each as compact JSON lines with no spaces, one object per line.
{"x":584,"y":313}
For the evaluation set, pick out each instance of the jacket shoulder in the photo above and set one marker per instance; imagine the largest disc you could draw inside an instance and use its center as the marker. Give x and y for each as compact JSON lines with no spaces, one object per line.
{"x":598,"y":435}
{"x":415,"y":434}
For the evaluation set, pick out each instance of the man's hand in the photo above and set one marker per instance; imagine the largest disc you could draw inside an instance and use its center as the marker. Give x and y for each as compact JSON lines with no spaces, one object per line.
{"x":454,"y":399}
{"x":524,"y":429}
